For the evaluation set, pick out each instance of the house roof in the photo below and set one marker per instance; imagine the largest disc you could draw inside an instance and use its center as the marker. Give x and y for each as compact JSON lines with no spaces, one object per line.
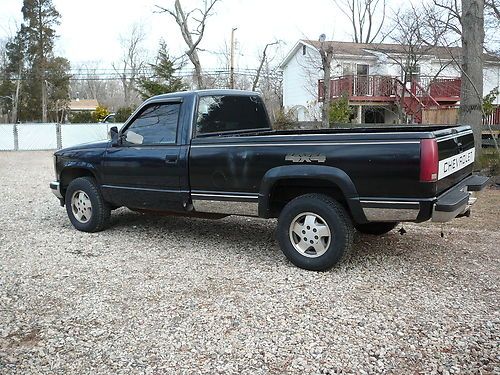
{"x":83,"y":105}
{"x":352,"y":49}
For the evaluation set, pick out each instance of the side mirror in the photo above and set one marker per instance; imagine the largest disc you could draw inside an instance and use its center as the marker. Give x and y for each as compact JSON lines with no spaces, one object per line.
{"x":114,"y":136}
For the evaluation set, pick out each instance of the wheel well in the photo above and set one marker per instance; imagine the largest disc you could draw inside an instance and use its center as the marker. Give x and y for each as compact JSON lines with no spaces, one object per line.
{"x":285,"y":190}
{"x":69,"y":174}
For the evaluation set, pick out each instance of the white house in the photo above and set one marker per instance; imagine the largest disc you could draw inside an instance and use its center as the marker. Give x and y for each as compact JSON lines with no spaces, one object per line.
{"x":373,"y":78}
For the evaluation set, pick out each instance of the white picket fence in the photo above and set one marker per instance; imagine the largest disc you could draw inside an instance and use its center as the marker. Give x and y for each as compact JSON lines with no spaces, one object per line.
{"x":50,"y":136}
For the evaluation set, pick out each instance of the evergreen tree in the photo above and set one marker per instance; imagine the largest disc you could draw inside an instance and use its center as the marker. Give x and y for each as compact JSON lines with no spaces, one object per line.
{"x":40,"y":17}
{"x":12,"y":74}
{"x":38,"y":80}
{"x":163,"y":80}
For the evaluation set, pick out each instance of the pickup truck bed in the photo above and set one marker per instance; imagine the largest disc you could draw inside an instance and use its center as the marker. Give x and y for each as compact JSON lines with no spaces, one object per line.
{"x":213,"y":153}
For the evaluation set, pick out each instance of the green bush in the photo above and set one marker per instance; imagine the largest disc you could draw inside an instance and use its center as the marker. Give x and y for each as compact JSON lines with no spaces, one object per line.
{"x":81,"y":117}
{"x":285,"y":120}
{"x":489,"y":162}
{"x":340,"y":111}
{"x":100,"y":113}
{"x":122,"y":114}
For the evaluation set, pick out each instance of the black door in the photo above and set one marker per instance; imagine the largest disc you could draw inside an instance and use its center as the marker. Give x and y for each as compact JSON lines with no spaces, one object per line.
{"x":144,"y":170}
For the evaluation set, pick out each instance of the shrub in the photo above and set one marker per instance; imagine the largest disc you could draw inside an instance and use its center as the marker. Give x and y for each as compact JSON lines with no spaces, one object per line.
{"x":489,"y":162}
{"x":340,"y":111}
{"x":81,"y":117}
{"x":100,"y":113}
{"x":122,"y":114}
{"x":285,"y":120}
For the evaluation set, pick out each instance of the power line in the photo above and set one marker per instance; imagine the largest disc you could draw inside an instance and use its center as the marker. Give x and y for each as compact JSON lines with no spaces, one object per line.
{"x":116,"y":76}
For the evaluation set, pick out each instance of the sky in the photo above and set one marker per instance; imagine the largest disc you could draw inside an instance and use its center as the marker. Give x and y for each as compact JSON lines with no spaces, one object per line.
{"x":90,"y":30}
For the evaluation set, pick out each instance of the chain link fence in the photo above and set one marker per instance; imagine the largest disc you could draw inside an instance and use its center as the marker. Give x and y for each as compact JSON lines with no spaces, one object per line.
{"x":26,"y":137}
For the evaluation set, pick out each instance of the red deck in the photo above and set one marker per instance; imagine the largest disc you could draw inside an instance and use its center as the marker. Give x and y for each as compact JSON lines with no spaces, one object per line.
{"x":377,"y":88}
{"x":414,"y":96}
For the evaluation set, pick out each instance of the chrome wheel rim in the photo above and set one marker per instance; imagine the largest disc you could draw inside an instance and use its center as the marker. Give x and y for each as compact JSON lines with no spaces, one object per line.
{"x":81,"y":206}
{"x":310,"y":235}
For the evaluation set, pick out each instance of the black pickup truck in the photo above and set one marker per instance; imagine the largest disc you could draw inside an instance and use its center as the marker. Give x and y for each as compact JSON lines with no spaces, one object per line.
{"x":213,"y":153}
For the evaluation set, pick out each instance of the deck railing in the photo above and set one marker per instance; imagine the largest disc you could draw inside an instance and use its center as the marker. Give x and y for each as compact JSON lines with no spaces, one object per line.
{"x":494,"y":118}
{"x":381,"y":87}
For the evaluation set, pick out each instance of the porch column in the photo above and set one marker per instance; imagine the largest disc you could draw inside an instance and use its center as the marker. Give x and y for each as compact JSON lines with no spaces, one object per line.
{"x":359,"y":118}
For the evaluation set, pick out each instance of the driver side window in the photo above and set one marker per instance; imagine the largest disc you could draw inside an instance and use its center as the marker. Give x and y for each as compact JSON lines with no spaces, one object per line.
{"x":155,"y":125}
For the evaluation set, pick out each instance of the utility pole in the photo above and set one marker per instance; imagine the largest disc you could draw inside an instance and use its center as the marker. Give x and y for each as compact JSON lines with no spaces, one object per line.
{"x":231,"y":79}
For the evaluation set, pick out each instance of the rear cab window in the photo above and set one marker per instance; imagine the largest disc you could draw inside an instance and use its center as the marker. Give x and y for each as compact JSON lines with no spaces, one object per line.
{"x":230,"y":113}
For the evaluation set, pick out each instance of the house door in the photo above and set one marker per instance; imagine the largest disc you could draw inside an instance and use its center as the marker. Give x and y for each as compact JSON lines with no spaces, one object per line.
{"x":362,"y":80}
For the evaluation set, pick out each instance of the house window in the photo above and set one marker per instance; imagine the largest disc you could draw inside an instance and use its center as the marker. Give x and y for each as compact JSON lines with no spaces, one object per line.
{"x":362,"y":69}
{"x":304,"y":50}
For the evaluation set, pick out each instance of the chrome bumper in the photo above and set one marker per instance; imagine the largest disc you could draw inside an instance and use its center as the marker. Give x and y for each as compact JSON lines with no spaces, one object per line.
{"x":55,"y":187}
{"x":462,"y":210}
{"x":458,"y":201}
{"x":455,"y":202}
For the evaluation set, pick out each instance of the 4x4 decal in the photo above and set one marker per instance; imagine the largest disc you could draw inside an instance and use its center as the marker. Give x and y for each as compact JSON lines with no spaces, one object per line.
{"x":305,"y":158}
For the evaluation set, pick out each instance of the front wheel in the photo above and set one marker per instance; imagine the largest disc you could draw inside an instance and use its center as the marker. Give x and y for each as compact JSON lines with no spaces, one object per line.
{"x":86,"y":208}
{"x":376,"y":229}
{"x":314,"y":232}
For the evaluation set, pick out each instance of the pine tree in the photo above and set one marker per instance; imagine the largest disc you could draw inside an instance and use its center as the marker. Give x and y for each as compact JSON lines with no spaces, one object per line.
{"x":163,"y":79}
{"x":40,"y":17}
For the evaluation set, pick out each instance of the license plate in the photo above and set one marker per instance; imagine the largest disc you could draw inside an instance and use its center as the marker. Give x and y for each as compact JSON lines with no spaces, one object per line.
{"x":455,"y":163}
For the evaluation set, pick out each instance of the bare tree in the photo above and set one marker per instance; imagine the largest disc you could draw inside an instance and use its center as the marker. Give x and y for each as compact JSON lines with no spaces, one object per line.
{"x":472,"y":68}
{"x":192,"y":25}
{"x":470,"y":33}
{"x":132,"y":62}
{"x":416,"y":32}
{"x":453,"y":9}
{"x":493,"y":6}
{"x":263,"y":60}
{"x":367,"y":18}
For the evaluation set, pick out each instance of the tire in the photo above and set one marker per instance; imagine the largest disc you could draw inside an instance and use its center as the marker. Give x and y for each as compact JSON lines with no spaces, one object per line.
{"x":81,"y":193}
{"x":376,"y":229}
{"x":321,"y":248}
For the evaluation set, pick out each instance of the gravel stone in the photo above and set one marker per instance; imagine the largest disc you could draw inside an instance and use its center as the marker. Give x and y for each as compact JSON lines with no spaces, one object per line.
{"x":173,"y":295}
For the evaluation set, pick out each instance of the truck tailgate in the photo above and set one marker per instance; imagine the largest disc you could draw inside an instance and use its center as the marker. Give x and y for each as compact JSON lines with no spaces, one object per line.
{"x":456,"y":156}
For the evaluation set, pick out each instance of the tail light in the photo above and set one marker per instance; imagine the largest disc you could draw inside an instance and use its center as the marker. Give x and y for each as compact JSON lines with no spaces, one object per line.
{"x":429,"y":160}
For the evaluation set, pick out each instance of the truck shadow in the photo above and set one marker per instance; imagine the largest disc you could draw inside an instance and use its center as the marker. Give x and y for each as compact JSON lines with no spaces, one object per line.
{"x":245,"y":235}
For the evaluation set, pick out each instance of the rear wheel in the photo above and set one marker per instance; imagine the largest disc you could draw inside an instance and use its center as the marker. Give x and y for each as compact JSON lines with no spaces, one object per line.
{"x":376,"y":229}
{"x":314,"y":232}
{"x":86,"y":208}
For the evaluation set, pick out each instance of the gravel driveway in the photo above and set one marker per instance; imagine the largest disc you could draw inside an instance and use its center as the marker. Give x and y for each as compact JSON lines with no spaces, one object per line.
{"x":177,"y":295}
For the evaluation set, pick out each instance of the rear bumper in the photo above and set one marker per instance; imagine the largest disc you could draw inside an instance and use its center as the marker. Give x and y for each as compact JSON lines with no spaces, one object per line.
{"x":457,"y":201}
{"x":453,"y":203}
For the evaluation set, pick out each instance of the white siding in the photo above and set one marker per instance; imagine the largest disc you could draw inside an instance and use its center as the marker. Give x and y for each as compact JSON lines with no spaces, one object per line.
{"x":491,"y":79}
{"x":301,"y":74}
{"x":300,"y":82}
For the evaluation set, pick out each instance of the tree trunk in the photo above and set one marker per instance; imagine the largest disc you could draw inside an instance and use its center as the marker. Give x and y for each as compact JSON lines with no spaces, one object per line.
{"x":325,"y":110}
{"x":197,"y":69}
{"x":126,"y":92}
{"x":470,"y":112}
{"x":15,"y":102}
{"x":326,"y":60}
{"x":44,"y":99}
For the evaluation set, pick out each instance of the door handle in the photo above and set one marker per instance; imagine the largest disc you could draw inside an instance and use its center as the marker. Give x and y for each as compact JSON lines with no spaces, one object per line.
{"x":171,"y":160}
